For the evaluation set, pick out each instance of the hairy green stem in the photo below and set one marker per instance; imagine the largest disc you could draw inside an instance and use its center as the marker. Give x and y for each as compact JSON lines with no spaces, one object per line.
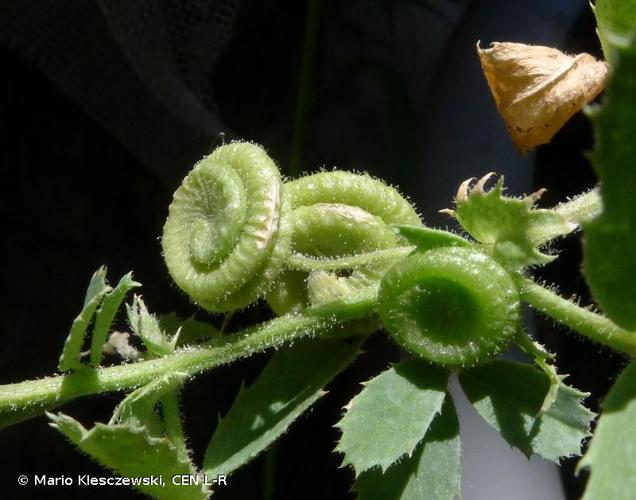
{"x":581,"y":208}
{"x":587,"y":323}
{"x":30,"y":398}
{"x":573,"y":213}
{"x":305,"y":263}
{"x":174,"y":427}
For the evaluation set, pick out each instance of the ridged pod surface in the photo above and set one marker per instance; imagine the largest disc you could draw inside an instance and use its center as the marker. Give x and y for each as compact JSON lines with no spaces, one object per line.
{"x":224,"y":241}
{"x":338,"y":215}
{"x":358,"y":190}
{"x":452,"y":306}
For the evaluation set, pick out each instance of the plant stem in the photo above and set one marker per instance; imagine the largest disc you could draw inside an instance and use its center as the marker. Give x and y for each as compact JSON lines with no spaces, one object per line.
{"x":573,"y":214}
{"x":305,"y":263}
{"x":30,"y":398}
{"x":587,"y":323}
{"x":581,"y":208}
{"x":174,"y":427}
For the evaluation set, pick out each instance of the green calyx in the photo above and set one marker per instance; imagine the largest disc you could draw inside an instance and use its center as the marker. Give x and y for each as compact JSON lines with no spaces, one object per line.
{"x":511,"y":229}
{"x":453,"y":306}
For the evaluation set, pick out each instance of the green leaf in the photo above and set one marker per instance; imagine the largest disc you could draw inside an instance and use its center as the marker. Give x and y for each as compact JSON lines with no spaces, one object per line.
{"x":141,"y":408}
{"x":426,"y":238}
{"x":612,"y":452}
{"x":509,"y":396}
{"x":290,"y":383}
{"x":187,"y":331}
{"x":391,"y":415}
{"x":432,"y":472}
{"x":106,"y":315}
{"x":138,"y":408}
{"x":541,"y":357}
{"x":615,"y":19}
{"x":132,"y":452}
{"x":146,"y":326}
{"x":512,"y":228}
{"x":96,"y":286}
{"x":610,"y":240}
{"x":97,"y":289}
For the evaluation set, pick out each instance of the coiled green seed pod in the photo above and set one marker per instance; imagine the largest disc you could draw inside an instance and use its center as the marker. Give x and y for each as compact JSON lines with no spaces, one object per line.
{"x":357,"y":190}
{"x":224,"y":241}
{"x":336,"y":215}
{"x":453,"y":306}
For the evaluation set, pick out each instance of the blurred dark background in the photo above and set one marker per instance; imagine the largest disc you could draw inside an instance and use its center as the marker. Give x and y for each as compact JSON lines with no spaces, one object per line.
{"x":104,"y":106}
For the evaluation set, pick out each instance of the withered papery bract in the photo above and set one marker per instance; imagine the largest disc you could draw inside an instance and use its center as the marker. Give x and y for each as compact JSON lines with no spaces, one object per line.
{"x":538,"y":89}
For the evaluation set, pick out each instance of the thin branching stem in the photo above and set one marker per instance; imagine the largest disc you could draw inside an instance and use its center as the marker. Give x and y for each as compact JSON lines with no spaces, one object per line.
{"x":584,"y":321}
{"x":26,"y":399}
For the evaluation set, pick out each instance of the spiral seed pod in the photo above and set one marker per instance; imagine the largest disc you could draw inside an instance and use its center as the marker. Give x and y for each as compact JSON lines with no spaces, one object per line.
{"x":453,"y":306}
{"x":356,"y":190}
{"x":224,"y":241}
{"x":336,"y":216}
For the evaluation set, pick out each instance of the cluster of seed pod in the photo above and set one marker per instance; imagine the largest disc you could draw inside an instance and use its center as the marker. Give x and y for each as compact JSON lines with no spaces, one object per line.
{"x":236,"y":232}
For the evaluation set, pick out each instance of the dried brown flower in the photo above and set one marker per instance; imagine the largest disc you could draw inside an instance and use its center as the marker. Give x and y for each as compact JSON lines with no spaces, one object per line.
{"x":538,"y":89}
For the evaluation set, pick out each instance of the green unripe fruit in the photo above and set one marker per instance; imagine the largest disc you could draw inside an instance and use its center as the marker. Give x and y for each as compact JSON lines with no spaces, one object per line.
{"x":337,"y":215}
{"x":453,"y":306}
{"x":225,"y":240}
